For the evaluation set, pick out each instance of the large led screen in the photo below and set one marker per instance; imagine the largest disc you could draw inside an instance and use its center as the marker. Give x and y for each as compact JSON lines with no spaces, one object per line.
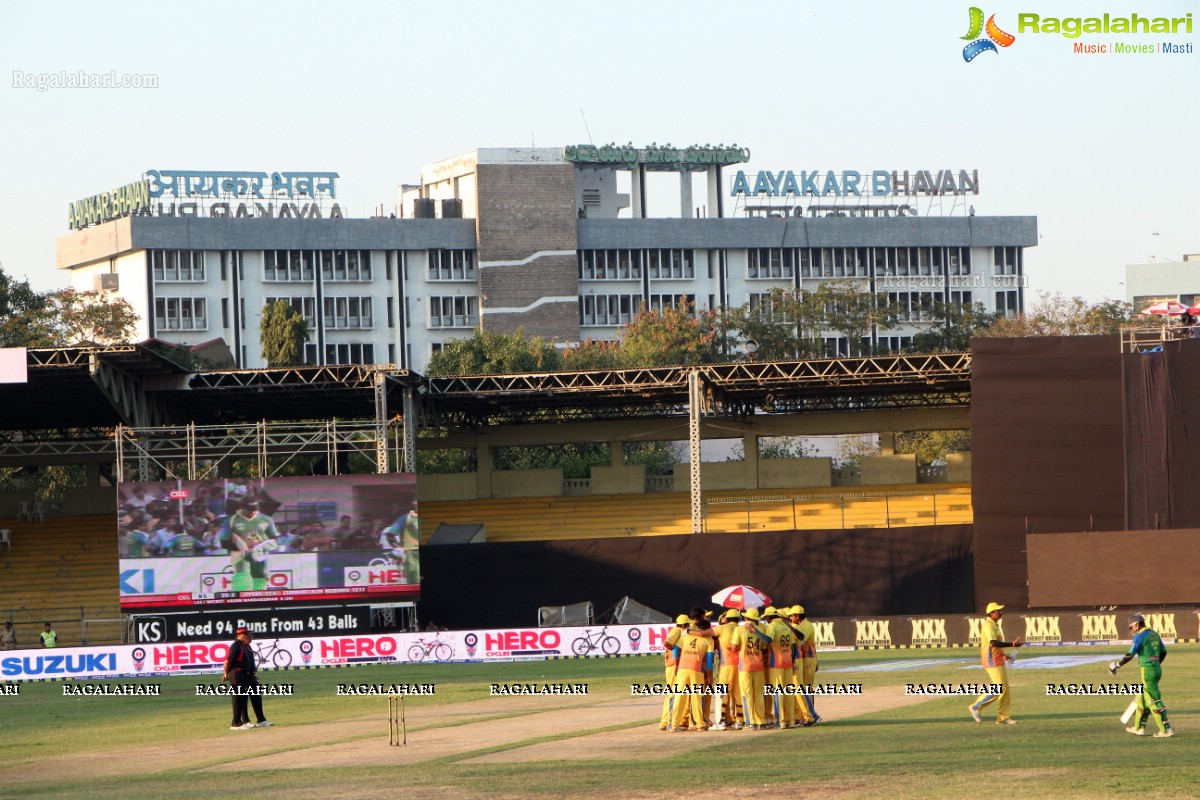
{"x":268,"y":541}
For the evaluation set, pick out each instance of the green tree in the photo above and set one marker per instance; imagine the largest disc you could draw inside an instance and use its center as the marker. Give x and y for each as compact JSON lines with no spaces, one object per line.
{"x":932,"y":447}
{"x":67,"y":317}
{"x":955,"y":329}
{"x":785,"y":328}
{"x":671,"y":337}
{"x":282,"y":333}
{"x":491,"y":353}
{"x":853,"y":312}
{"x":1057,"y":315}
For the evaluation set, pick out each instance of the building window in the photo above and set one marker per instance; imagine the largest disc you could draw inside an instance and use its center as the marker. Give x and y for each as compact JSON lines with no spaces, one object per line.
{"x":610,"y":265}
{"x":346,"y":265}
{"x":764,"y":305}
{"x":893,"y":344}
{"x":452,"y":265}
{"x":349,"y":354}
{"x":1007,"y":303}
{"x":288,"y":265}
{"x":914,"y":306}
{"x":310,"y":354}
{"x":658,"y":302}
{"x":670,"y":264}
{"x":770,"y":262}
{"x":180,"y":314}
{"x":608,"y":309}
{"x":961,"y":300}
{"x":305,"y":306}
{"x":178,"y":266}
{"x":1006,"y":260}
{"x":342,"y":313}
{"x":453,"y":312}
{"x":224,"y":312}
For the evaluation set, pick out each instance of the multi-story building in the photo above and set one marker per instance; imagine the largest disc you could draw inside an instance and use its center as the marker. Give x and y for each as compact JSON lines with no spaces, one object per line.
{"x":564,"y":243}
{"x":1153,"y":282}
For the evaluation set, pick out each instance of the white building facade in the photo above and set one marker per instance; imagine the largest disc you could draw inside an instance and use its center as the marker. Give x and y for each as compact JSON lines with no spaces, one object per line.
{"x":557,"y":242}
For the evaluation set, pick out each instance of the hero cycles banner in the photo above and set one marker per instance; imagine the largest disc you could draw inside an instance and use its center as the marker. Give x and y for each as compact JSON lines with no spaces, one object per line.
{"x":183,"y":658}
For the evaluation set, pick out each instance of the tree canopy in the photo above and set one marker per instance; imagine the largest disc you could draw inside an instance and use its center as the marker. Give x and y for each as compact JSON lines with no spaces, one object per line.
{"x":282,"y":333}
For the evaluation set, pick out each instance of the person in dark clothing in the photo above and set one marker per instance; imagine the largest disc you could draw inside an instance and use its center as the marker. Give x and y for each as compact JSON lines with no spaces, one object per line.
{"x":241,"y":673}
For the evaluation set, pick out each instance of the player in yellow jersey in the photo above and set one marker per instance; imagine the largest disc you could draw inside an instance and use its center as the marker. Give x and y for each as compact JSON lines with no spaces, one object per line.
{"x":751,"y":644}
{"x":669,"y":662}
{"x":806,"y":674}
{"x":779,"y":668}
{"x":694,"y":661}
{"x":995,"y":661}
{"x":731,"y":703}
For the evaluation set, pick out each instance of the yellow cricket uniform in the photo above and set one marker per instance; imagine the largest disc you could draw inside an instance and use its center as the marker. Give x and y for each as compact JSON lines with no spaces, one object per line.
{"x":752,"y":652}
{"x":779,"y":671}
{"x":731,"y":706}
{"x":995,"y":662}
{"x":668,"y":708}
{"x":807,"y":673}
{"x":695,"y":665}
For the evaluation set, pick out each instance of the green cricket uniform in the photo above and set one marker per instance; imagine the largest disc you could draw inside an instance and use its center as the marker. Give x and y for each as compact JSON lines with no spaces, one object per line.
{"x":250,"y":566}
{"x":1150,"y":651}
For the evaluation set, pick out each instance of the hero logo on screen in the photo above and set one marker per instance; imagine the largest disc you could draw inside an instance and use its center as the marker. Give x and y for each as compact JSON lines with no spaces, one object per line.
{"x":212,"y":582}
{"x":995,"y":36}
{"x":374,"y":576}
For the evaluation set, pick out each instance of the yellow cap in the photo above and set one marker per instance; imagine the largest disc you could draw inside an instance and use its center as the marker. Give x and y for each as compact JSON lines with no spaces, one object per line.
{"x":993,"y":607}
{"x":751,"y":614}
{"x":796,"y":610}
{"x":770,"y":611}
{"x":733,"y":613}
{"x":682,"y":619}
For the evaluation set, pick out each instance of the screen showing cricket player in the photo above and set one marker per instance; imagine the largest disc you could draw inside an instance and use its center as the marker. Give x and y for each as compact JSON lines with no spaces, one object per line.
{"x":267,"y":541}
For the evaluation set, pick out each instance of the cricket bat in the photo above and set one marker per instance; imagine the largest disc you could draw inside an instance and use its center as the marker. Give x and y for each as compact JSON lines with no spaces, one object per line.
{"x":1129,"y":712}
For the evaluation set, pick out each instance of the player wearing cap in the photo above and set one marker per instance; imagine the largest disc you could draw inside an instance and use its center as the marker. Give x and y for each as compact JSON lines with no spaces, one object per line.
{"x":804,"y":669}
{"x":241,"y":672}
{"x":1151,"y":652}
{"x":782,"y":709}
{"x":731,"y":705}
{"x":253,"y":535}
{"x":752,"y":645}
{"x":670,"y":664}
{"x":694,"y":663}
{"x":995,"y":661}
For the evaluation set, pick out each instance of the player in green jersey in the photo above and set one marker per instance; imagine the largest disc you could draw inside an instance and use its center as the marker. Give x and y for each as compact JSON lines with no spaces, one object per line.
{"x":253,"y":536}
{"x":1151,"y":652}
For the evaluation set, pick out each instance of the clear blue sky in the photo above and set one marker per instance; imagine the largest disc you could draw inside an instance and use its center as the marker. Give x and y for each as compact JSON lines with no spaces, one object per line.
{"x":1101,"y":148}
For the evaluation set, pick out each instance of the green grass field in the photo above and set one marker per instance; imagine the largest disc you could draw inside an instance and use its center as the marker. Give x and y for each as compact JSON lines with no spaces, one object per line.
{"x":326,"y":746}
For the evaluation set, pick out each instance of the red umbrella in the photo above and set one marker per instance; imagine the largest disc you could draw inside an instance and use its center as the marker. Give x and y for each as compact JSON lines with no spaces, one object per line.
{"x":1167,"y":308}
{"x":741,"y":597}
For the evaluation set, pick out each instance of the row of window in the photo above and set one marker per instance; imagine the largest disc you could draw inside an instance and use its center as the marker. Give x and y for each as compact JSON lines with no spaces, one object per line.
{"x":856,"y":262}
{"x":625,"y":265}
{"x":187,"y":266}
{"x":301,"y":265}
{"x":619,"y":309}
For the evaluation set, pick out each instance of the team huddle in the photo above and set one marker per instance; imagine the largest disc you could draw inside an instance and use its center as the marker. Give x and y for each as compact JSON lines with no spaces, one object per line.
{"x":750,"y":655}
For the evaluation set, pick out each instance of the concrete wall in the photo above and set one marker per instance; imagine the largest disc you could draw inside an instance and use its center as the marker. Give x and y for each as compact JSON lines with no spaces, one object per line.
{"x":786,"y":473}
{"x":625,"y":479}
{"x":527,"y":483}
{"x":714,"y":475}
{"x":879,"y":470}
{"x":958,"y":468}
{"x":456,"y":486}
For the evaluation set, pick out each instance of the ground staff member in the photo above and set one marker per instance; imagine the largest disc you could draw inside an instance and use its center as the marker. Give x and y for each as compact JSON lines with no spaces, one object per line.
{"x":241,"y":673}
{"x":995,"y":661}
{"x":1151,"y":652}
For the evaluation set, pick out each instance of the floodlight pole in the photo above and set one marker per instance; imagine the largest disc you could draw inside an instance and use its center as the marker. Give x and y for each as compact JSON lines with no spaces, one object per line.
{"x":695,"y":407}
{"x":381,"y":412}
{"x":409,"y":429}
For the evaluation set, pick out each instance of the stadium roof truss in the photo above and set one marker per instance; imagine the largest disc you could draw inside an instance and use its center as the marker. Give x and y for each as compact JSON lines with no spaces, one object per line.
{"x":131,"y":402}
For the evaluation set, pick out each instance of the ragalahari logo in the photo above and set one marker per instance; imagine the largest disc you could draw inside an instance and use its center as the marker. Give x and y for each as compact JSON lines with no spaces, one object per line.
{"x":995,"y":36}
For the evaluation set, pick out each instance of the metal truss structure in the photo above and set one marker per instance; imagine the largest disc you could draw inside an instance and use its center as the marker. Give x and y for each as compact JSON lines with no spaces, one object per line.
{"x":133,"y":406}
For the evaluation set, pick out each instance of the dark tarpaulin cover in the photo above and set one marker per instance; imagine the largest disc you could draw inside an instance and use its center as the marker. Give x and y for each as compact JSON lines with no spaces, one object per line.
{"x":832,"y":573}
